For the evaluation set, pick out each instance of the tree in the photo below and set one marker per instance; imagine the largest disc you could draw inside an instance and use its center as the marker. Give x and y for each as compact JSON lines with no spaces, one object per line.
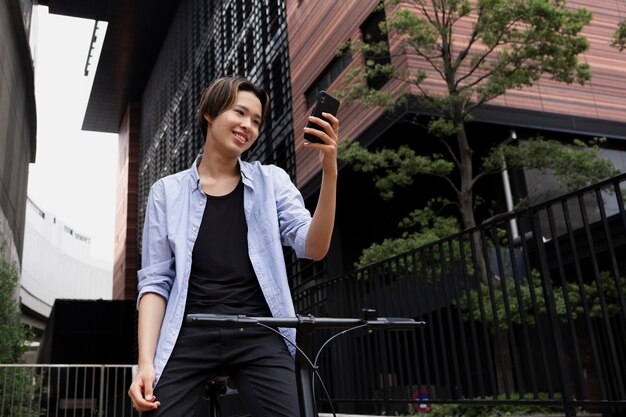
{"x":13,"y":334}
{"x":619,"y":36}
{"x":18,"y":385}
{"x":511,"y":45}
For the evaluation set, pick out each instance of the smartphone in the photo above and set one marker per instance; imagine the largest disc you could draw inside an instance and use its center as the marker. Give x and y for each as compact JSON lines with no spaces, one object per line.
{"x":327,"y":104}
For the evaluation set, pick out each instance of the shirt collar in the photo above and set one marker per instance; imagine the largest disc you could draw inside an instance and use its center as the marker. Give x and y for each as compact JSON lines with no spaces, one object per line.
{"x":244,"y":167}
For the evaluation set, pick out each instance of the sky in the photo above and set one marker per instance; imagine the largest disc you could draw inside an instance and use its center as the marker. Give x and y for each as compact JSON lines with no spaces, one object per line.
{"x":74,"y":174}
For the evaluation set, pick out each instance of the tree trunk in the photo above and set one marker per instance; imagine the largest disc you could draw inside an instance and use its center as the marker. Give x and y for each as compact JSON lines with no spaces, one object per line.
{"x":466,"y":192}
{"x":503,"y":360}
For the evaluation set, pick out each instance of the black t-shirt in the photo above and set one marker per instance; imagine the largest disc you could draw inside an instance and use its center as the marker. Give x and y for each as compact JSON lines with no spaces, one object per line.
{"x":222,"y":280}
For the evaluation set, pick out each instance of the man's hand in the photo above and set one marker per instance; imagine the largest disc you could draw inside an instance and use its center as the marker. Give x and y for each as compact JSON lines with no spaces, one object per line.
{"x":140,"y":391}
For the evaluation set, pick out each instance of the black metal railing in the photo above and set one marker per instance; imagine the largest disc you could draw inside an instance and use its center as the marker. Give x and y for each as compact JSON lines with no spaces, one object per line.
{"x":528,"y":308}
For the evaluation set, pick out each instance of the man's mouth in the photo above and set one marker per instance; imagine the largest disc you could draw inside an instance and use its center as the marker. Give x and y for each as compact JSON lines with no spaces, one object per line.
{"x":240,"y":137}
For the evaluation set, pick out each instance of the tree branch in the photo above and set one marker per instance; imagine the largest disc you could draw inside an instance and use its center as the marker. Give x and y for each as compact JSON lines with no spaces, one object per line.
{"x":483,"y":174}
{"x":470,"y":43}
{"x":451,"y":152}
{"x":486,"y":54}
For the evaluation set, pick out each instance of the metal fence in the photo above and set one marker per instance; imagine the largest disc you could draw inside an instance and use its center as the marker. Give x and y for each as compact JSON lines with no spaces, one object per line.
{"x":528,"y":309}
{"x":80,"y":391}
{"x":65,"y":390}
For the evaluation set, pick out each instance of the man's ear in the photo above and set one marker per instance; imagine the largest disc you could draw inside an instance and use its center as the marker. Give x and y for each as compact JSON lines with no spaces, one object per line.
{"x":208,"y":119}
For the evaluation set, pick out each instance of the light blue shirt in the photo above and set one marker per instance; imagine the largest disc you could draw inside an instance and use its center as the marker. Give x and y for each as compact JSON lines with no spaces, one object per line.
{"x":275,"y":214}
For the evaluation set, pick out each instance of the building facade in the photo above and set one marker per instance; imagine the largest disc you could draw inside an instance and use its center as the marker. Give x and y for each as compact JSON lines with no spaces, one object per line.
{"x":290,"y":47}
{"x":17,"y":124}
{"x":550,"y":109}
{"x":57,"y":264}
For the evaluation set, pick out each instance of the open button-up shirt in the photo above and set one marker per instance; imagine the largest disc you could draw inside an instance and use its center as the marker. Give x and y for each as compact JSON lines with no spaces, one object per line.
{"x":275,"y":214}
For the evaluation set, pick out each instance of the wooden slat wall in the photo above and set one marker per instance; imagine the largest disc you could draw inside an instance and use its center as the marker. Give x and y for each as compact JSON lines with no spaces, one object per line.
{"x":317,"y":28}
{"x":315,"y":31}
{"x":125,"y":251}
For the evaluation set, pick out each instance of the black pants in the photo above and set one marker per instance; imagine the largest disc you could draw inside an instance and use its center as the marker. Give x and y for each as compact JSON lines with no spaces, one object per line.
{"x":256,"y":359}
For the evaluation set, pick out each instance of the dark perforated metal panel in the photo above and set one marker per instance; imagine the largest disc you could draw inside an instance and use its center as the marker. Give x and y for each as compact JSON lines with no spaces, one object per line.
{"x":208,"y":39}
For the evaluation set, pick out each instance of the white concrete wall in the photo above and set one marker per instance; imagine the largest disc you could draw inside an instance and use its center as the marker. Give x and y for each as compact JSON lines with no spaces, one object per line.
{"x":57,"y":263}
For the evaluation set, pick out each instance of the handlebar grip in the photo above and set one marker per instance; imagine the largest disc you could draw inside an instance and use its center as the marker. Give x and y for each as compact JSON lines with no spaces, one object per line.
{"x":394,"y":323}
{"x":221,"y":320}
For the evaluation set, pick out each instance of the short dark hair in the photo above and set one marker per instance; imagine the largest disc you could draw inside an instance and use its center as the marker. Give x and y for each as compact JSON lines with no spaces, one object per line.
{"x":221,"y":94}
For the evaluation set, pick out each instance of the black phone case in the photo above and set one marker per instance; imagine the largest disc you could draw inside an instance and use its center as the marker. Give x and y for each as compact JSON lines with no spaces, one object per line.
{"x":325,"y":103}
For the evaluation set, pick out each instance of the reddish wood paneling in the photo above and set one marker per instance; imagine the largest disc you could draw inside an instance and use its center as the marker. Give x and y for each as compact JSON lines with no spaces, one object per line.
{"x":125,"y":254}
{"x":317,"y":28}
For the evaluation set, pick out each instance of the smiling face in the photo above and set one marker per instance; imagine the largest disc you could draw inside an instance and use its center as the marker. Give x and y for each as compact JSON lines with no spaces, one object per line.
{"x":234,"y":130}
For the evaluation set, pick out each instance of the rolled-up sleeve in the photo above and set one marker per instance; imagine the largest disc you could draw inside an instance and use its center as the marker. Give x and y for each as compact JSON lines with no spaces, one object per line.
{"x":293,"y":217}
{"x":157,"y":260}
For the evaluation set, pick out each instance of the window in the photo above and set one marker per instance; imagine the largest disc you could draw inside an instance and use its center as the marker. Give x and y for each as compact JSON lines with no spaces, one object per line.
{"x":370,"y":29}
{"x":330,"y":74}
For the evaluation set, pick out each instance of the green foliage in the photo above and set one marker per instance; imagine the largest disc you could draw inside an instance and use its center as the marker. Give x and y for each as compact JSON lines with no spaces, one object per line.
{"x":17,"y":385}
{"x":393,"y":167}
{"x":519,"y":300}
{"x":13,"y":334}
{"x":496,"y":410}
{"x":512,"y":44}
{"x":19,"y":391}
{"x":619,"y":37}
{"x":574,"y":166}
{"x":430,"y":228}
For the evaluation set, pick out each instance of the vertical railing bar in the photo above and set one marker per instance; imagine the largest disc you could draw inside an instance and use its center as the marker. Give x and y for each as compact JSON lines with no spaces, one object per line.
{"x":510,"y":337}
{"x":615,"y":362}
{"x":85,"y":387}
{"x":48,"y":397}
{"x":494,"y":312}
{"x":58,"y":395}
{"x":483,"y":316}
{"x":402,"y":345}
{"x":93,"y":385}
{"x":620,"y":199}
{"x":116,"y":374}
{"x":4,"y":384}
{"x":517,"y":278}
{"x":459,"y":316}
{"x":101,"y":397}
{"x":363,"y":387}
{"x":430,"y":329}
{"x":12,"y":402}
{"x":438,"y":318}
{"x":361,"y":345}
{"x":67,"y":391}
{"x":611,"y":249}
{"x":536,"y":308}
{"x":441,"y":333}
{"x":583,"y":299}
{"x":32,"y":388}
{"x":27,"y":392}
{"x":413,"y":287}
{"x":381,"y":339}
{"x":551,"y":311}
{"x":41,"y":382}
{"x":445,"y":279}
{"x":411,"y":291}
{"x":567,"y":302}
{"x":600,"y":287}
{"x":366,"y":345}
{"x":472,"y":326}
{"x":76,"y":372}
